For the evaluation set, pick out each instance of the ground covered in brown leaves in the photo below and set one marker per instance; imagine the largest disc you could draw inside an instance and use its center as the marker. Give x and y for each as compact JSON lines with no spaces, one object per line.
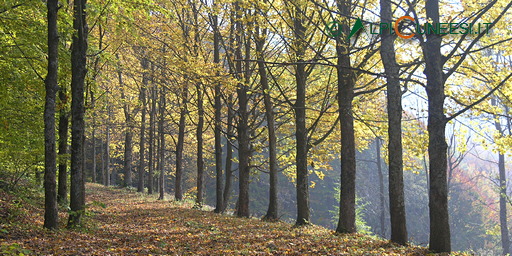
{"x":122,"y":222}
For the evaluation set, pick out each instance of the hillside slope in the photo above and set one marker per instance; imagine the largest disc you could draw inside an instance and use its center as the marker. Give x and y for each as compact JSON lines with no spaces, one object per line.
{"x":122,"y":222}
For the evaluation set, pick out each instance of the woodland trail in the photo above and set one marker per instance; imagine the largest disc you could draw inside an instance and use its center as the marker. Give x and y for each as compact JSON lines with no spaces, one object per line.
{"x":122,"y":222}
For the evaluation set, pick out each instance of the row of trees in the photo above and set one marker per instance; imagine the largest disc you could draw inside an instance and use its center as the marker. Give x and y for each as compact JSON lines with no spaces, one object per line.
{"x":263,"y":84}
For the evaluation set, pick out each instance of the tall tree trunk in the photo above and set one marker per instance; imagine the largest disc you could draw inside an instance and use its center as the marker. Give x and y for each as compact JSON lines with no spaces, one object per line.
{"x":51,"y":86}
{"x":142,"y":98}
{"x":103,"y":169}
{"x":161,"y":162}
{"x":151,"y":156}
{"x":128,"y":157}
{"x":437,"y":148}
{"x":272,"y":211}
{"x":199,"y":136}
{"x":128,"y":137}
{"x":346,"y":82}
{"x":107,"y":151}
{"x":220,"y":203}
{"x":94,"y":162}
{"x":62,"y":193}
{"x":78,"y":71}
{"x":394,"y":105}
{"x":301,"y":133}
{"x":505,"y":242}
{"x":381,"y":189}
{"x":243,"y":129}
{"x":178,"y":194}
{"x":229,"y":154}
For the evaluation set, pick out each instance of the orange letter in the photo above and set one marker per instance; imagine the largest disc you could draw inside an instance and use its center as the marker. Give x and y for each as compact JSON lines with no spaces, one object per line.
{"x":396,"y":27}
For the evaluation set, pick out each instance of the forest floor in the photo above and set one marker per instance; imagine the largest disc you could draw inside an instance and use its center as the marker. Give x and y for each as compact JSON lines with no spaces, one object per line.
{"x":124,"y":222}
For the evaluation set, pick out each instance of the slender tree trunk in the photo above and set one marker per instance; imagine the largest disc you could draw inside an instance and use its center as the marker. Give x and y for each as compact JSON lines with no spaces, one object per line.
{"x":394,"y":105}
{"x":272,"y":211}
{"x":381,"y":189}
{"x":229,"y":154}
{"x":346,"y":81}
{"x":243,"y":129}
{"x":62,"y":194}
{"x":178,"y":194}
{"x":151,"y":156}
{"x":301,"y":133}
{"x":199,"y":135}
{"x":128,"y":156}
{"x":161,"y":162}
{"x":128,"y":137}
{"x":437,"y":148}
{"x":107,"y":151}
{"x":94,"y":163}
{"x":142,"y":98}
{"x":78,"y":71}
{"x":220,"y":203}
{"x":102,"y":155}
{"x":51,"y":86}
{"x":505,"y":242}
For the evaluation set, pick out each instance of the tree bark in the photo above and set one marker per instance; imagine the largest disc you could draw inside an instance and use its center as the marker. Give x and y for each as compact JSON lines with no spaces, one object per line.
{"x":94,"y":162}
{"x":243,"y":129}
{"x":437,"y":148}
{"x":161,"y":132}
{"x":107,"y":150}
{"x":78,"y":72}
{"x":142,"y":98}
{"x":381,"y":189}
{"x":229,"y":154}
{"x":51,"y":86}
{"x":394,"y":106}
{"x":151,"y":153}
{"x":272,"y":211}
{"x":128,"y":137}
{"x":301,"y":133}
{"x":505,"y":242}
{"x":199,"y":136}
{"x":346,"y":82}
{"x":220,"y":202}
{"x":102,"y":155}
{"x":62,"y":194}
{"x":178,"y":194}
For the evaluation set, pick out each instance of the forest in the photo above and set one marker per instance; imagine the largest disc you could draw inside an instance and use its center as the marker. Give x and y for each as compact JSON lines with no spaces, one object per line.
{"x":380,"y":121}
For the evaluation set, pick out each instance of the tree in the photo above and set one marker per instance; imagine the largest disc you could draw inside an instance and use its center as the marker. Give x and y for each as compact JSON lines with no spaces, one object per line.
{"x":152,"y":123}
{"x":161,"y":154}
{"x":505,"y":241}
{"x":440,"y":239}
{"x":129,"y":123}
{"x":346,"y":83}
{"x":272,"y":212}
{"x":301,"y":133}
{"x":51,"y":86}
{"x":142,"y":98}
{"x":394,"y":106}
{"x":78,"y":69}
{"x":243,"y":128}
{"x":220,"y":203}
{"x":62,"y":193}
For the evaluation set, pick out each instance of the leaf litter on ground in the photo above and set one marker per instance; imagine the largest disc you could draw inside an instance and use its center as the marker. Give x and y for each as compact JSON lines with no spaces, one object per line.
{"x":124,"y":222}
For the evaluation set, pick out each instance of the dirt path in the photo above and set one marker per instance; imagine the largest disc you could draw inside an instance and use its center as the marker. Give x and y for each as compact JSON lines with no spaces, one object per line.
{"x":134,"y":224}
